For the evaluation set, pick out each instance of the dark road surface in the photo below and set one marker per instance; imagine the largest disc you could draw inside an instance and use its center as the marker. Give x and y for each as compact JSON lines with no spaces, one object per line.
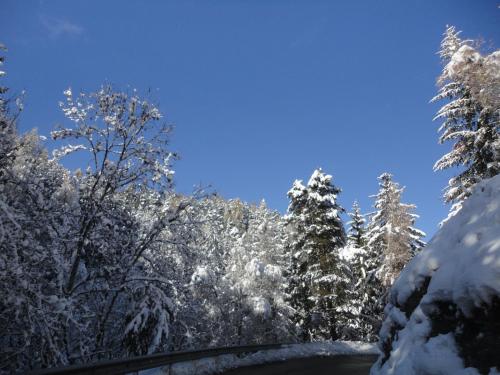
{"x":335,"y":365}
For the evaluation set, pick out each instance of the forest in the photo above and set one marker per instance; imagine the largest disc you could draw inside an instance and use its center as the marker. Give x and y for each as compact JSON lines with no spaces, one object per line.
{"x":109,"y":261}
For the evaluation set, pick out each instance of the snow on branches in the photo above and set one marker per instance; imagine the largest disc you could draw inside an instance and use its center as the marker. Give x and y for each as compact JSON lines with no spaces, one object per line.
{"x":471,"y":118}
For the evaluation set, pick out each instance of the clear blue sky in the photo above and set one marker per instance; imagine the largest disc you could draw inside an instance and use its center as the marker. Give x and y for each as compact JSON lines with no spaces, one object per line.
{"x":261,"y":92}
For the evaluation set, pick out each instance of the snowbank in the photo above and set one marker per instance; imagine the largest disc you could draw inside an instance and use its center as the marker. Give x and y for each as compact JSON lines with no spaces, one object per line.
{"x":226,"y":362}
{"x":444,"y":310}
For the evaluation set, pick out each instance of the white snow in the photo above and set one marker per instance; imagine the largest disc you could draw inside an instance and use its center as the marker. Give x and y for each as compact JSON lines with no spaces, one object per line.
{"x":463,"y":260}
{"x":202,"y":276}
{"x":261,"y":306}
{"x":214,"y":365}
{"x":255,"y":268}
{"x":462,"y":59}
{"x":480,"y":73}
{"x":297,"y":190}
{"x":63,"y":151}
{"x":348,"y":253}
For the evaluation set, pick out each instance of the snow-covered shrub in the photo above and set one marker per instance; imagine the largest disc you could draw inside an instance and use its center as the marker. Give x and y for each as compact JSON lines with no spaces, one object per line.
{"x":443,"y":316}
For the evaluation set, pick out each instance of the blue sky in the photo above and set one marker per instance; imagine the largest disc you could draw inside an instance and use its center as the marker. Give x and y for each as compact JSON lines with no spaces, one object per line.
{"x":260,"y":92}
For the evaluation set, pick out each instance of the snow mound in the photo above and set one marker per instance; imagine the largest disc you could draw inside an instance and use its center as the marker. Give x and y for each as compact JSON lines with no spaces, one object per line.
{"x":443,"y":316}
{"x":214,"y":365}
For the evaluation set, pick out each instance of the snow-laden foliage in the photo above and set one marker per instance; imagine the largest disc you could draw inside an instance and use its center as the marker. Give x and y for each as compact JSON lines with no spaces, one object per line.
{"x":358,"y":325}
{"x":356,"y":232}
{"x":391,"y":232}
{"x":390,"y":240}
{"x":318,"y":277}
{"x":240,"y":285}
{"x":39,"y":206}
{"x":350,"y":311}
{"x":442,"y":316}
{"x":124,"y":134}
{"x":110,"y":262}
{"x":471,"y":117}
{"x":74,"y":269}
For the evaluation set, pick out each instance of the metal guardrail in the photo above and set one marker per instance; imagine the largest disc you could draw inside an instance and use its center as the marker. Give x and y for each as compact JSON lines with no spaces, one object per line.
{"x":124,"y":366}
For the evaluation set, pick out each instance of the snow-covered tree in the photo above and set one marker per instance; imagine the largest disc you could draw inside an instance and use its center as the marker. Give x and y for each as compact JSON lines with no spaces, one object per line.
{"x":392,"y":240}
{"x":391,"y":233}
{"x":471,"y":118}
{"x":129,"y":172}
{"x":37,"y":206}
{"x":354,"y":255}
{"x":297,"y":274}
{"x":36,"y":198}
{"x":318,"y":278}
{"x":371,"y":294}
{"x":239,"y":275}
{"x":77,"y":250}
{"x":261,"y":277}
{"x":356,"y":232}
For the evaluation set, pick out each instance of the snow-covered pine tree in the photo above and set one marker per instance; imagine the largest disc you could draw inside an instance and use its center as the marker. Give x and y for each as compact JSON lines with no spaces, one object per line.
{"x":318,"y":279}
{"x":372,"y":291}
{"x":392,"y":241}
{"x":391,"y":233}
{"x":471,"y":118}
{"x":354,"y":255}
{"x":298,"y":279}
{"x":356,"y":232}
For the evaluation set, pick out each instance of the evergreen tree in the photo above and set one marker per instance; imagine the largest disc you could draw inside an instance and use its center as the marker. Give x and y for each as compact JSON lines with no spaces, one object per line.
{"x":354,"y":256}
{"x":356,"y":233}
{"x":318,"y":280}
{"x":391,"y":233}
{"x":471,"y":118}
{"x":371,"y":294}
{"x":298,"y":281}
{"x":392,"y":241}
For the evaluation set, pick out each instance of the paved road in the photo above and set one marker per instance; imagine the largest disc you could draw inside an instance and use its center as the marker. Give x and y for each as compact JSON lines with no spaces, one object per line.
{"x":336,"y":365}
